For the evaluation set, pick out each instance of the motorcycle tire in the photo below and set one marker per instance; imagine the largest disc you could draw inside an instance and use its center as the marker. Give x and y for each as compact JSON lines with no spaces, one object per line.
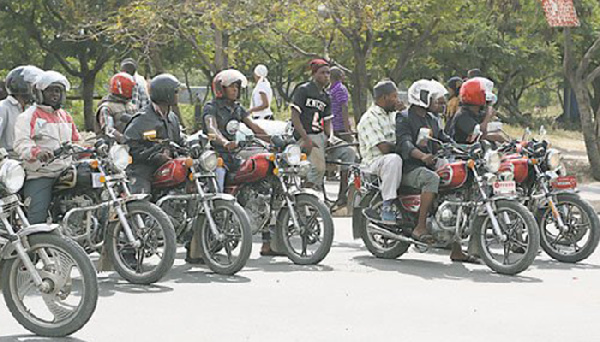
{"x":209,"y":247}
{"x":124,"y":267}
{"x":531,"y":242}
{"x":586,"y":209}
{"x":73,"y":321}
{"x":283,"y":228}
{"x":392,"y":250}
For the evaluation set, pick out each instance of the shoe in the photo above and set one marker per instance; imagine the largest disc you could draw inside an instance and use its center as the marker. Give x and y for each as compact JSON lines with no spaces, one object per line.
{"x":388,"y":216}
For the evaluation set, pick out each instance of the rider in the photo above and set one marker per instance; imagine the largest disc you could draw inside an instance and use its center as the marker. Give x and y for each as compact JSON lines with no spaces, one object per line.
{"x":311,"y":117}
{"x":476,"y":100}
{"x":426,"y":99}
{"x":39,"y":131}
{"x":149,"y":128}
{"x":19,"y":83}
{"x":139,"y":96}
{"x":377,"y":138}
{"x":116,"y":104}
{"x":223,"y":111}
{"x":454,"y":84}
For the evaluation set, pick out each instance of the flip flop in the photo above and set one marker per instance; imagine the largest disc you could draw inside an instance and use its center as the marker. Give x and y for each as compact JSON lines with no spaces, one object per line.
{"x":424,"y":238}
{"x":468,"y":260}
{"x":271,"y":253}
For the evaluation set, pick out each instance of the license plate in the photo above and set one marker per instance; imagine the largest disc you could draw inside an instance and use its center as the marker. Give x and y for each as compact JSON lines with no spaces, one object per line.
{"x":565,"y":182}
{"x":508,"y":188}
{"x":96,"y":183}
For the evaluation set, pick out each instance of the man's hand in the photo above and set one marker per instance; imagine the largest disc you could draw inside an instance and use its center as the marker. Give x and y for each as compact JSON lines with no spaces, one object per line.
{"x":230,"y":145}
{"x":44,"y":156}
{"x":307,"y":145}
{"x":428,"y":159}
{"x":400,"y":106}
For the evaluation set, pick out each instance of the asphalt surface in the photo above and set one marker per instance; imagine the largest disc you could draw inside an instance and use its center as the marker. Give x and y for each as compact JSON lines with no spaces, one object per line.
{"x":351,"y":296}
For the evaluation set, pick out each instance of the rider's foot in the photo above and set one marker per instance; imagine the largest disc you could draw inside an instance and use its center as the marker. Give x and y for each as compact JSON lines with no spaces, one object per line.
{"x":388,"y":216}
{"x":339,"y":204}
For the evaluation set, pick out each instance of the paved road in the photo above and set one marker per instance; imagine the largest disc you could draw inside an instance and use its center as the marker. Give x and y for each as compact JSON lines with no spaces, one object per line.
{"x":350,"y":297}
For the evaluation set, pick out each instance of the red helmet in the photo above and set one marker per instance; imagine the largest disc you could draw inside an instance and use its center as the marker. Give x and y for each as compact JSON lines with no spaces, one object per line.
{"x":472,"y":92}
{"x":122,"y":85}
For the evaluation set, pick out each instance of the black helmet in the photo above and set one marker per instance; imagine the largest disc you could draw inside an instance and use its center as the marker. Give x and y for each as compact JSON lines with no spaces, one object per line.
{"x":163,"y":89}
{"x":19,"y":80}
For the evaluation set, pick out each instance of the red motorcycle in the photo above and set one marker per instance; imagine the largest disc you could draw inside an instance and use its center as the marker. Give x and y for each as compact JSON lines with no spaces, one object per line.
{"x":471,"y":204}
{"x":267,"y":185}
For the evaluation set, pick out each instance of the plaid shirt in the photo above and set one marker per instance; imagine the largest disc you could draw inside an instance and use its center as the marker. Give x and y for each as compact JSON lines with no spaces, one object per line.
{"x":375,"y":126}
{"x":140,"y":98}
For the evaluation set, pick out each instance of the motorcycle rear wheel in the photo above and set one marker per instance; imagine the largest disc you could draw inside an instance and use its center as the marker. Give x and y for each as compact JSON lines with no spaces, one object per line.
{"x":378,"y":245}
{"x":72,"y":301}
{"x":523,"y":238}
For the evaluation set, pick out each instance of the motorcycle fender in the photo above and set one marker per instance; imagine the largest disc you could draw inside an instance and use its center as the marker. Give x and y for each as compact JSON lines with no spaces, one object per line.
{"x":222,"y":197}
{"x":8,"y":252}
{"x":564,"y":191}
{"x":296,"y":191}
{"x":137,"y":197}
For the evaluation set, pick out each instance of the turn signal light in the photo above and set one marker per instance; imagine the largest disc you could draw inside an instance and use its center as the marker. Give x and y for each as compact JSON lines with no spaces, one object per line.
{"x":272,"y":157}
{"x":94,"y":164}
{"x":303,"y":156}
{"x":189,"y":162}
{"x":220,"y":162}
{"x":191,"y":176}
{"x":471,"y":164}
{"x":102,"y":179}
{"x":276,"y":171}
{"x":534,"y":161}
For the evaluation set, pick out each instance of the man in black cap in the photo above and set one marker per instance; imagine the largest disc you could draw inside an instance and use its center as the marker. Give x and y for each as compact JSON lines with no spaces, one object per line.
{"x":140,"y":98}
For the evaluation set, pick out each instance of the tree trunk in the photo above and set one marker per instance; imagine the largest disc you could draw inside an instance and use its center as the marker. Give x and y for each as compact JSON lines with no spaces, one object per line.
{"x":360,"y":84}
{"x":590,"y":131}
{"x":88,"y":82}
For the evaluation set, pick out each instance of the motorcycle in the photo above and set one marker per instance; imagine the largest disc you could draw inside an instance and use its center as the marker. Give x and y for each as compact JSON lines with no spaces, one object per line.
{"x":95,"y":208}
{"x":186,"y":189}
{"x":267,"y":185}
{"x":472,"y":204}
{"x":570,"y":228}
{"x":48,"y":282}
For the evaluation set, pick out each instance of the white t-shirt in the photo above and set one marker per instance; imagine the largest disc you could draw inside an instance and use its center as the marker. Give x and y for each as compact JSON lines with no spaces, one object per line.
{"x":263,"y":86}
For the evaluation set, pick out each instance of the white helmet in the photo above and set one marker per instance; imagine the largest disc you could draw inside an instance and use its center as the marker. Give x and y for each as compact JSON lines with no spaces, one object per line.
{"x":488,"y":85}
{"x":423,"y":92}
{"x":48,"y":78}
{"x":226,"y":78}
{"x":261,"y":71}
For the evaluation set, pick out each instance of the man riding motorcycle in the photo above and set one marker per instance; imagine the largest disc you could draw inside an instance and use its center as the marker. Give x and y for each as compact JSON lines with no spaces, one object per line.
{"x":377,"y":138}
{"x":116,"y":104}
{"x":426,"y":99}
{"x":223,"y":111}
{"x":39,"y":131}
{"x":19,"y":85}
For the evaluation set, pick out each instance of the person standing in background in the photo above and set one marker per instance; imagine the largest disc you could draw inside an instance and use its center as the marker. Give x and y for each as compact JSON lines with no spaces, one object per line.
{"x":339,"y":105}
{"x":454,"y":84}
{"x":140,"y":98}
{"x":260,"y":104}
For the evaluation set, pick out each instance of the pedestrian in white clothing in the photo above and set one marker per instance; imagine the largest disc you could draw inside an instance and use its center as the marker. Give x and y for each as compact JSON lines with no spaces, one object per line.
{"x":260,"y":104}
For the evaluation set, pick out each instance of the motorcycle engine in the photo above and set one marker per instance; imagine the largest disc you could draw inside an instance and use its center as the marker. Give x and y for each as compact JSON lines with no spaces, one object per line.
{"x":256,"y":200}
{"x":443,"y":225}
{"x":77,"y":225}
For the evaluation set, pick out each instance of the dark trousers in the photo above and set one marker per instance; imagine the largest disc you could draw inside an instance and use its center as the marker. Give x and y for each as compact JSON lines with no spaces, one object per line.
{"x":141,"y":178}
{"x":38,"y":192}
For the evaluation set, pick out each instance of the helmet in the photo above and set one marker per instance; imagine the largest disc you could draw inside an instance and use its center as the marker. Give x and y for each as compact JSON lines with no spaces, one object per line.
{"x":19,"y":81}
{"x":47,"y":78}
{"x":122,"y":85}
{"x":477,"y":92}
{"x":163,"y":89}
{"x":226,"y":78}
{"x":423,"y":92}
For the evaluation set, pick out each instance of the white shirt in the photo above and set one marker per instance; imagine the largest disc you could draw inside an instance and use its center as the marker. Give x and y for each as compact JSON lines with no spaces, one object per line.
{"x":263,"y":86}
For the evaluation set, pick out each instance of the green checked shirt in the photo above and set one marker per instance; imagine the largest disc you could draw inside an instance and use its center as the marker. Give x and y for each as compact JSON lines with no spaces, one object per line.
{"x":375,"y":126}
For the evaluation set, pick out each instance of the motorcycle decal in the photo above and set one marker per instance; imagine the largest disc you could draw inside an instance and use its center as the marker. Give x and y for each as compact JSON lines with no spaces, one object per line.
{"x":446,"y":174}
{"x":411,"y":203}
{"x":564,"y":182}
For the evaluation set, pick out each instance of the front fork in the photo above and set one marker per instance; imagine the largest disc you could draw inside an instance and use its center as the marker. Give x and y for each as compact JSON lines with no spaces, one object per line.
{"x":207,"y":209}
{"x":550,"y":198}
{"x":489,"y":209}
{"x":290,"y":200}
{"x":121,"y":209}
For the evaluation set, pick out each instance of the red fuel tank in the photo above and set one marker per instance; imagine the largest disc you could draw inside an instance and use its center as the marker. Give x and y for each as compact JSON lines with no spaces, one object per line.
{"x":518,"y":165}
{"x":253,"y":169}
{"x":453,"y":175}
{"x":171,"y":173}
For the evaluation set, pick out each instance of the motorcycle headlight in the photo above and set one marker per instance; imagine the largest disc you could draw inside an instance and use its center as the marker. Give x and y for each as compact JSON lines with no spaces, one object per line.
{"x":303,"y":168}
{"x":208,"y":161}
{"x":553,"y":159}
{"x":12,"y":176}
{"x":492,"y":161}
{"x":119,"y":155}
{"x":292,"y":155}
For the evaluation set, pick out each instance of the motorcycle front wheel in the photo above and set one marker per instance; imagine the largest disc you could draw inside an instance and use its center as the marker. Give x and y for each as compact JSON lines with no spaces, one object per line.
{"x":151,"y":261}
{"x":311,"y":243}
{"x":70,"y":299}
{"x":519,"y":250}
{"x":228,"y":253}
{"x":581,"y":236}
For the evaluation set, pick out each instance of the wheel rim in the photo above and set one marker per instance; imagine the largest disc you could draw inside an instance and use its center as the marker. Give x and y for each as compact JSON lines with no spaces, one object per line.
{"x":150,"y":255}
{"x":65,"y":299}
{"x":575,"y":238}
{"x":376,"y":240}
{"x":307,"y":241}
{"x":515,"y":248}
{"x":227,"y":251}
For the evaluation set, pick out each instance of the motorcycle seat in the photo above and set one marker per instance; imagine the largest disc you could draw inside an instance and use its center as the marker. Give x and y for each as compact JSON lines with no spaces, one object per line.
{"x":408,"y":190}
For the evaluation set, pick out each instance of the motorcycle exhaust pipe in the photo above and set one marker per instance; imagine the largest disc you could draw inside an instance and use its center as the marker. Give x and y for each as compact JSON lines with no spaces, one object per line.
{"x":387,"y":234}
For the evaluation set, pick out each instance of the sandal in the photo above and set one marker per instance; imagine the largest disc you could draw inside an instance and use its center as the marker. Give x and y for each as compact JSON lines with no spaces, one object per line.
{"x":271,"y":252}
{"x":424,"y":238}
{"x":469,"y":259}
{"x":339,"y":204}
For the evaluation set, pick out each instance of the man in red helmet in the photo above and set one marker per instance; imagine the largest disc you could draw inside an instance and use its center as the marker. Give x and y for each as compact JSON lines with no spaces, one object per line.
{"x":475,"y":112}
{"x":117,"y":104}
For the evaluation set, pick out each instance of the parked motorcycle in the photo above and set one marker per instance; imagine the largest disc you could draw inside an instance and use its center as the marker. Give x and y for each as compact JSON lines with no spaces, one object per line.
{"x":570,"y":228}
{"x":48,"y":282}
{"x":95,"y":207}
{"x":472,"y":204}
{"x":186,"y":189}
{"x":267,"y":185}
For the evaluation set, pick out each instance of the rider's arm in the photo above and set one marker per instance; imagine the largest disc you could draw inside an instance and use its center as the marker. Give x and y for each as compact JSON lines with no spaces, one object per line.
{"x":256,"y":129}
{"x":107,"y":123}
{"x":143,"y":151}
{"x":24,"y":144}
{"x":210,"y":124}
{"x":298,"y":124}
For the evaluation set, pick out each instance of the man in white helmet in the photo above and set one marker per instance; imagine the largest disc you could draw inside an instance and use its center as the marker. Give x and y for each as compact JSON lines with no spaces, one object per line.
{"x":39,"y":131}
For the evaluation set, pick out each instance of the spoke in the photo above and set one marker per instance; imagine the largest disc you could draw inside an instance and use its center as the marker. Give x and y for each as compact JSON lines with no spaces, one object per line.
{"x":304,"y":244}
{"x":140,"y":260}
{"x":506,"y":253}
{"x":228,"y":250}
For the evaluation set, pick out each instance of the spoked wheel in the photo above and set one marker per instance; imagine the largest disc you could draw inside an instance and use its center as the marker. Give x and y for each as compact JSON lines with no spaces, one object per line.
{"x":227,"y":252}
{"x":378,"y":245}
{"x":515,"y":254}
{"x":311,"y":243}
{"x":69,"y":298}
{"x":578,"y":240}
{"x":149,"y":262}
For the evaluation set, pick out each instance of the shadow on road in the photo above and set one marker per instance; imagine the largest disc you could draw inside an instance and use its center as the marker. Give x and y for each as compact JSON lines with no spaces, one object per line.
{"x":282,"y":264}
{"x":552,"y":264}
{"x":111,"y":285}
{"x":436,"y":270}
{"x":189,"y":274}
{"x":34,"y":338}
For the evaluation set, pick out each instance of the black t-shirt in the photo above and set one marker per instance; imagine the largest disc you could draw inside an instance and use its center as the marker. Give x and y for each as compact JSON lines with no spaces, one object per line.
{"x":462,"y":125}
{"x":313,"y":104}
{"x":223,"y":113}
